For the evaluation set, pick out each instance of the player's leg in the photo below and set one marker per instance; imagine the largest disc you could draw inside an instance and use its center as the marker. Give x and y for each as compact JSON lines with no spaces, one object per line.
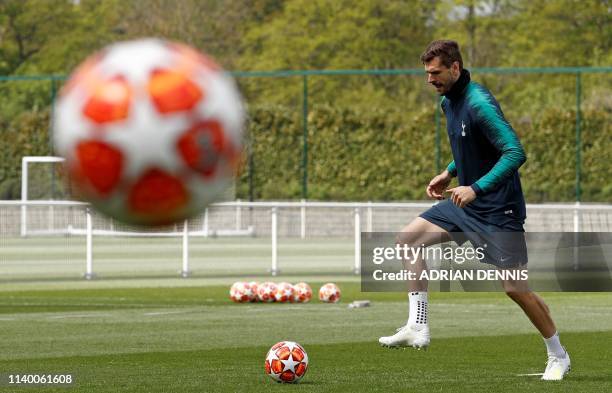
{"x":539,"y":314}
{"x":533,"y":305}
{"x":419,"y":233}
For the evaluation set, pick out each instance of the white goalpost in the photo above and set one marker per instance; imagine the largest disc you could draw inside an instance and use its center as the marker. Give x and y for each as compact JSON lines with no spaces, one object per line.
{"x":25,"y":162}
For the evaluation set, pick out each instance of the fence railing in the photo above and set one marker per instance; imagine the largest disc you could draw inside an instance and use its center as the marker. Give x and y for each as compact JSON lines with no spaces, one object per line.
{"x":343,"y":219}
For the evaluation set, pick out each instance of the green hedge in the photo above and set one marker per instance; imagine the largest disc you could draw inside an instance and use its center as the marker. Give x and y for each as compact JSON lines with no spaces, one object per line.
{"x":378,"y":155}
{"x":390,"y":155}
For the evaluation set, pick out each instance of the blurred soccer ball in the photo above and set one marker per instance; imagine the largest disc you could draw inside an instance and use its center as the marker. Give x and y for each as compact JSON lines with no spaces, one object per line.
{"x":284,"y":292}
{"x":302,"y":293}
{"x":241,"y":292}
{"x":254,"y":285}
{"x":266,"y":292}
{"x":329,"y":293}
{"x":151,"y":131}
{"x":287,"y":362}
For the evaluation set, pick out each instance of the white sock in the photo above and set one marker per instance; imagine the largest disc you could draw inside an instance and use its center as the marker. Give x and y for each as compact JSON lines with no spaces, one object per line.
{"x":553,"y":346}
{"x":417,"y":313}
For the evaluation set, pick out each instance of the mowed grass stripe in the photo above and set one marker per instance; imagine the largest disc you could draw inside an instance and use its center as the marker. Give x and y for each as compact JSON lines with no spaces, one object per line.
{"x":470,"y":364}
{"x":184,"y":293}
{"x":121,"y":324}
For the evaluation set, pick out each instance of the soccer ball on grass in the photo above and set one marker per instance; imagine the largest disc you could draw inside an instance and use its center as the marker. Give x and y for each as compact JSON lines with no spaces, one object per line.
{"x":266,"y":292}
{"x":302,"y":293}
{"x":329,"y":293}
{"x":241,"y":292}
{"x":284,"y":292}
{"x":286,"y":362}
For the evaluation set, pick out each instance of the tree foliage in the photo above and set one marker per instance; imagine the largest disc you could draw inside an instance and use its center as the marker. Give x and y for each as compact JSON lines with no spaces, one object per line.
{"x":53,"y":36}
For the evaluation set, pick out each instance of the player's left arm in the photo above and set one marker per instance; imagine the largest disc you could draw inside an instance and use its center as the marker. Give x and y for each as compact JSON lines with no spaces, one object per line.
{"x":500,"y":133}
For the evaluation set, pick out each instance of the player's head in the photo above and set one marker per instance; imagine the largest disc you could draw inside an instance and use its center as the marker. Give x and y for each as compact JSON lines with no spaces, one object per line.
{"x":443,"y":64}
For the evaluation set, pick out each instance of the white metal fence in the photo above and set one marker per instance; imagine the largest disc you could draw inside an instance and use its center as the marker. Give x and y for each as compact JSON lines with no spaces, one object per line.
{"x":264,"y":223}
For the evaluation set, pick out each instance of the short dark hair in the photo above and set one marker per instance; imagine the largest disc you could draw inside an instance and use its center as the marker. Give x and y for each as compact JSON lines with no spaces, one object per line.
{"x":446,"y":50}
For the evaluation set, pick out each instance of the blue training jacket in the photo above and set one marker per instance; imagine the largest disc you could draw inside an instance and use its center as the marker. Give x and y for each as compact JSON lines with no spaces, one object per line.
{"x":486,"y":152}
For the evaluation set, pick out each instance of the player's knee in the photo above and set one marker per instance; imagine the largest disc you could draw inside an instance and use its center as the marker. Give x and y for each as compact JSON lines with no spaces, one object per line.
{"x":408,"y":238}
{"x":514,"y":295}
{"x":518,"y":296}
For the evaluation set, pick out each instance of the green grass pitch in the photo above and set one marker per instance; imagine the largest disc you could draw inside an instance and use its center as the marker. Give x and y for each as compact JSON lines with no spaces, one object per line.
{"x":164,"y":336}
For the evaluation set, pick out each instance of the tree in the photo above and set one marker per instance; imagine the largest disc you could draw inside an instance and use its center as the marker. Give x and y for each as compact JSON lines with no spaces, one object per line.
{"x":215,"y":27}
{"x":27,"y":27}
{"x":338,"y":34}
{"x":561,"y":33}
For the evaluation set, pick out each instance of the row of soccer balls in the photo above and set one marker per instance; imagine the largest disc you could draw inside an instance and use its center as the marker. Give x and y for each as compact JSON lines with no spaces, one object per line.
{"x":268,"y":292}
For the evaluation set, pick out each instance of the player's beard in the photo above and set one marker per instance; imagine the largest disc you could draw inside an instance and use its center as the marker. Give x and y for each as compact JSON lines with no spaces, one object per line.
{"x":446,"y":87}
{"x":441,"y":88}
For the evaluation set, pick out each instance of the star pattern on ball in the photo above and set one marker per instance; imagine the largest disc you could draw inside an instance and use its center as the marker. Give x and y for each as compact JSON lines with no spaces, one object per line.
{"x":286,"y":361}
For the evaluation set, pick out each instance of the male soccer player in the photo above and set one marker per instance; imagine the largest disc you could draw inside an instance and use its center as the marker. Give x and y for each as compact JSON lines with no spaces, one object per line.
{"x":488,"y":200}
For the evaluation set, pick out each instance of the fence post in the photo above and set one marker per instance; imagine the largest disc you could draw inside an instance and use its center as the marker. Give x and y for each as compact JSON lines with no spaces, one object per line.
{"x":578,"y":135}
{"x":185,"y":272}
{"x":305,"y":138}
{"x":205,"y":223}
{"x":577,"y":217}
{"x":303,"y":219}
{"x":24,"y":196}
{"x":274,"y":270}
{"x":357,"y":264}
{"x":576,"y":245}
{"x":238,"y":214}
{"x":89,"y":273}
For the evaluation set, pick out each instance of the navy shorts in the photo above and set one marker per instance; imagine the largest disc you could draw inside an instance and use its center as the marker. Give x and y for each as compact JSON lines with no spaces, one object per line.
{"x":503,"y":246}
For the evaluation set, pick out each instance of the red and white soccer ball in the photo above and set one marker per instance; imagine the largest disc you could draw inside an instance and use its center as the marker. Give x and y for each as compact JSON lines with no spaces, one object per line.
{"x":254,"y":285}
{"x":266,"y":292}
{"x":241,"y":292}
{"x":287,"y":362}
{"x":302,"y":293}
{"x":284,"y":292}
{"x":151,"y":131}
{"x":329,"y":293}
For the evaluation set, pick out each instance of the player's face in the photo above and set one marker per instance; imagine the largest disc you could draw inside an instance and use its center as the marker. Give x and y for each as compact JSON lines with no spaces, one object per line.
{"x":440,"y":76}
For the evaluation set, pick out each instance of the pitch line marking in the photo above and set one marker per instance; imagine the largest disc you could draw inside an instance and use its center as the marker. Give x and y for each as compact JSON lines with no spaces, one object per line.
{"x":165,"y":313}
{"x":78,"y":316}
{"x":530,"y":375}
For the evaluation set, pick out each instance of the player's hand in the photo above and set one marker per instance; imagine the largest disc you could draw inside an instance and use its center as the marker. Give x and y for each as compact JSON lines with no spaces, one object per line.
{"x":437,"y":185}
{"x":461,"y":195}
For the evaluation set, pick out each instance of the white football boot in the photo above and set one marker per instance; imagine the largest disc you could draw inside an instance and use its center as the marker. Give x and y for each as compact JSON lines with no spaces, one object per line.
{"x":407,"y":336}
{"x":556,"y":367}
